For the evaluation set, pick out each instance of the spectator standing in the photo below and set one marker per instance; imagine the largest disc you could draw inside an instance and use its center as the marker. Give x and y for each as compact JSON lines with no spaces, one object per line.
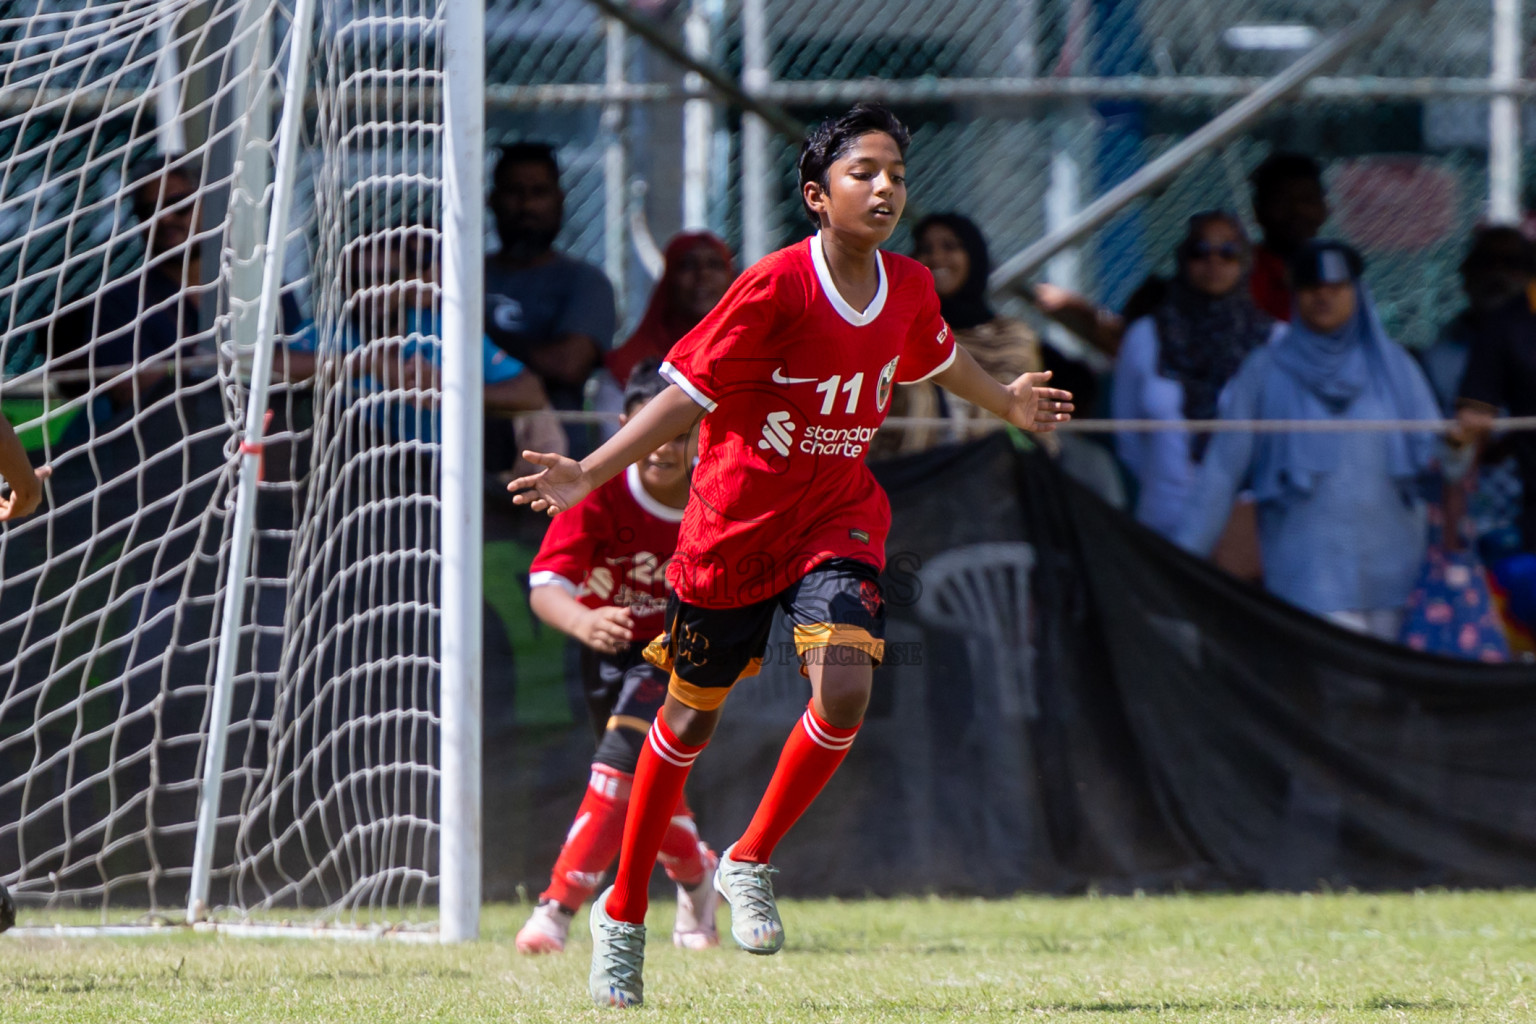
{"x":1342,"y":529}
{"x":1500,"y":379}
{"x":152,"y":312}
{"x":698,"y":270}
{"x":553,"y":313}
{"x":1495,"y":274}
{"x":1173,"y":366}
{"x":1290,"y":206}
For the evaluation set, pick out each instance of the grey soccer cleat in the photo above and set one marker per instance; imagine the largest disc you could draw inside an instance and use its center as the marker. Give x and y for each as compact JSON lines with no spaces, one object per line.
{"x":618,"y":957}
{"x":748,"y":888}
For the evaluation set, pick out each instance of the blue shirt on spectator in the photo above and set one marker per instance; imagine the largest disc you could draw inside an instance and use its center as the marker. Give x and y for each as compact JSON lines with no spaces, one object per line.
{"x":1162,"y":462}
{"x":406,"y":420}
{"x":530,"y":308}
{"x":1353,"y":539}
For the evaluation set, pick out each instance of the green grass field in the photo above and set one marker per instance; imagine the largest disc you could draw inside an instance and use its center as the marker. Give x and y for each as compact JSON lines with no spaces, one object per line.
{"x":1336,"y":958}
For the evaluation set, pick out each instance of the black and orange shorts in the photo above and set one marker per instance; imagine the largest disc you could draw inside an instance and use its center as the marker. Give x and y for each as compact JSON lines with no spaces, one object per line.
{"x":707,"y":650}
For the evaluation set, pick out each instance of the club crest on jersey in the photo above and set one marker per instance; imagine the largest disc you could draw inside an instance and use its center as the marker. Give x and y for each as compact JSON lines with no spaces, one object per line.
{"x":883,"y":387}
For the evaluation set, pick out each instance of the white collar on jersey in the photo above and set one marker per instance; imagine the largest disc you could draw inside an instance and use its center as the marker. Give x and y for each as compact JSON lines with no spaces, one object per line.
{"x":666,"y":513}
{"x":847,"y":312}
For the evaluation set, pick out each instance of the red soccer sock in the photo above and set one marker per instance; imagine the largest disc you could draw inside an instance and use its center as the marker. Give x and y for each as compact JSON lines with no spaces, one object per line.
{"x":593,"y":840}
{"x":811,"y":755}
{"x":680,"y":853}
{"x":659,"y":778}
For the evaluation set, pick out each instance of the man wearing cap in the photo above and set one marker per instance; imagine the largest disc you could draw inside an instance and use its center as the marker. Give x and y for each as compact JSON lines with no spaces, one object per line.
{"x":1341,"y":526}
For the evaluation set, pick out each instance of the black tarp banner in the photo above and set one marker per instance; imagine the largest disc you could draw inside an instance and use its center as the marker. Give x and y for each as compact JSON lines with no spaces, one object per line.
{"x":1071,"y":702}
{"x":1068,"y":702}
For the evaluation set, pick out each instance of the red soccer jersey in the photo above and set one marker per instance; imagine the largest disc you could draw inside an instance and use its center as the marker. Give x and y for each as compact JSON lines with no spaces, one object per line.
{"x":611,"y":549}
{"x":795,"y":383}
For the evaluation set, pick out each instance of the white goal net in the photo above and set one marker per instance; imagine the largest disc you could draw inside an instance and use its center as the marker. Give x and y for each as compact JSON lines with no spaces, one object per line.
{"x":141,"y":165}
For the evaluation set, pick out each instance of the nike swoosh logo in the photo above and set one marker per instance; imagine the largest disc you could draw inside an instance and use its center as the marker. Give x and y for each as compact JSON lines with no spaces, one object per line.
{"x":779,"y":378}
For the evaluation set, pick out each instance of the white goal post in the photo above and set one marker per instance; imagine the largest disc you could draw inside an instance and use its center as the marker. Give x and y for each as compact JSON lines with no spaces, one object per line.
{"x":240,"y":316}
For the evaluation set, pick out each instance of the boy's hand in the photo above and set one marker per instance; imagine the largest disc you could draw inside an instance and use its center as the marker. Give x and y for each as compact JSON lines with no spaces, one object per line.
{"x":1035,"y":407}
{"x":607,"y":630}
{"x":26,"y":495}
{"x":560,"y":485}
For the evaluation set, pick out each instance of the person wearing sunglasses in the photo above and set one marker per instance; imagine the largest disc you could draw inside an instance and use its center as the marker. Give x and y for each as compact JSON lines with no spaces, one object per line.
{"x":1341,"y":517}
{"x":1173,"y":366}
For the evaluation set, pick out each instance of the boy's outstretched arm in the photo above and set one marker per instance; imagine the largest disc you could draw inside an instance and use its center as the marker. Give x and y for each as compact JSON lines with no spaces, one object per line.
{"x":564,"y":481}
{"x":1026,"y":403}
{"x":25,"y":482}
{"x":607,"y":630}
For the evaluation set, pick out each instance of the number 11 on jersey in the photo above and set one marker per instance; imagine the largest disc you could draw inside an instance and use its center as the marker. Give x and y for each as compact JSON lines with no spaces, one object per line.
{"x":830,"y":386}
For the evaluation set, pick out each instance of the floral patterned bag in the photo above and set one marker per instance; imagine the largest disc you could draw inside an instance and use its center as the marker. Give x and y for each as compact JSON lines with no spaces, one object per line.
{"x":1451,"y":609}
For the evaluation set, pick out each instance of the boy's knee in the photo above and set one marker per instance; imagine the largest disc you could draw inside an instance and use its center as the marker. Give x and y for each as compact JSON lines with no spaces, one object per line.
{"x":689,"y":725}
{"x":619,"y":749}
{"x":842,"y":693}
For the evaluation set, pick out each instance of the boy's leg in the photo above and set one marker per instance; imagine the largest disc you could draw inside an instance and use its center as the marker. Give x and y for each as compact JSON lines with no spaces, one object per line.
{"x":815,"y":748}
{"x":665,"y":761}
{"x":590,"y":846}
{"x":592,"y":841}
{"x":839,"y":620}
{"x":682,"y":851}
{"x":704,"y":651}
{"x":688,"y":862}
{"x":618,"y":916}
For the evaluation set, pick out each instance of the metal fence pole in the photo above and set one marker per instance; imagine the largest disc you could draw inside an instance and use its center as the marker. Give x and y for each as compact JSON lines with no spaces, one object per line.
{"x":1504,"y":115}
{"x":756,"y":174}
{"x":698,"y":126}
{"x":615,"y":166}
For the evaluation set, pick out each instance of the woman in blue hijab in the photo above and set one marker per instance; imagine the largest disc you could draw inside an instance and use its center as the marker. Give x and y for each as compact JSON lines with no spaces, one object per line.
{"x":1342,"y":524}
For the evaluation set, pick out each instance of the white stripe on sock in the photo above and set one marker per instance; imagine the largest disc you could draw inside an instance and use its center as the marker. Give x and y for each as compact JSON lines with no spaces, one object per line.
{"x":821,"y":737}
{"x":668,"y":753}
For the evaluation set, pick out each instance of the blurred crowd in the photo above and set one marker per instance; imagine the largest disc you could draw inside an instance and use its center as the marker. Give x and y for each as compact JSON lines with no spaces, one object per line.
{"x":1415,"y":536}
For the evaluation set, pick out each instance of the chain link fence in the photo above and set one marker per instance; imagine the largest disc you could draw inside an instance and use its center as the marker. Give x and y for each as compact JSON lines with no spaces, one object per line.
{"x":1023,"y":111}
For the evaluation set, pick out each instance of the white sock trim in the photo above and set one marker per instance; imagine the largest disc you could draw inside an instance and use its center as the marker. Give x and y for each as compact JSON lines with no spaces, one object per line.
{"x":668,"y":753}
{"x":821,"y":737}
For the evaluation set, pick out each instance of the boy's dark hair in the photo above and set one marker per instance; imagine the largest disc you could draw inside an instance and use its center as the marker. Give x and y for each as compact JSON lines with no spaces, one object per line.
{"x":832,"y":139}
{"x":1280,"y":168}
{"x":645,"y":383}
{"x":525,"y":153}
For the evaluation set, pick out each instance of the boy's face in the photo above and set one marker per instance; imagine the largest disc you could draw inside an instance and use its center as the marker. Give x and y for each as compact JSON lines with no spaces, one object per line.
{"x":668,"y":465}
{"x":866,"y":190}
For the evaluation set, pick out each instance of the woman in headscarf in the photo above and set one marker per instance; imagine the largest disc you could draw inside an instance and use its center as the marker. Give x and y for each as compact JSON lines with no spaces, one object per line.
{"x":952,"y":248}
{"x":698,"y":270}
{"x":1174,"y":363}
{"x":1341,"y":522}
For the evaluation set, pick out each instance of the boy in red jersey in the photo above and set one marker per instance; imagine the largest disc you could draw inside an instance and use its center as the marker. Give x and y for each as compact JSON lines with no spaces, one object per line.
{"x":791,"y":375}
{"x":599,"y":576}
